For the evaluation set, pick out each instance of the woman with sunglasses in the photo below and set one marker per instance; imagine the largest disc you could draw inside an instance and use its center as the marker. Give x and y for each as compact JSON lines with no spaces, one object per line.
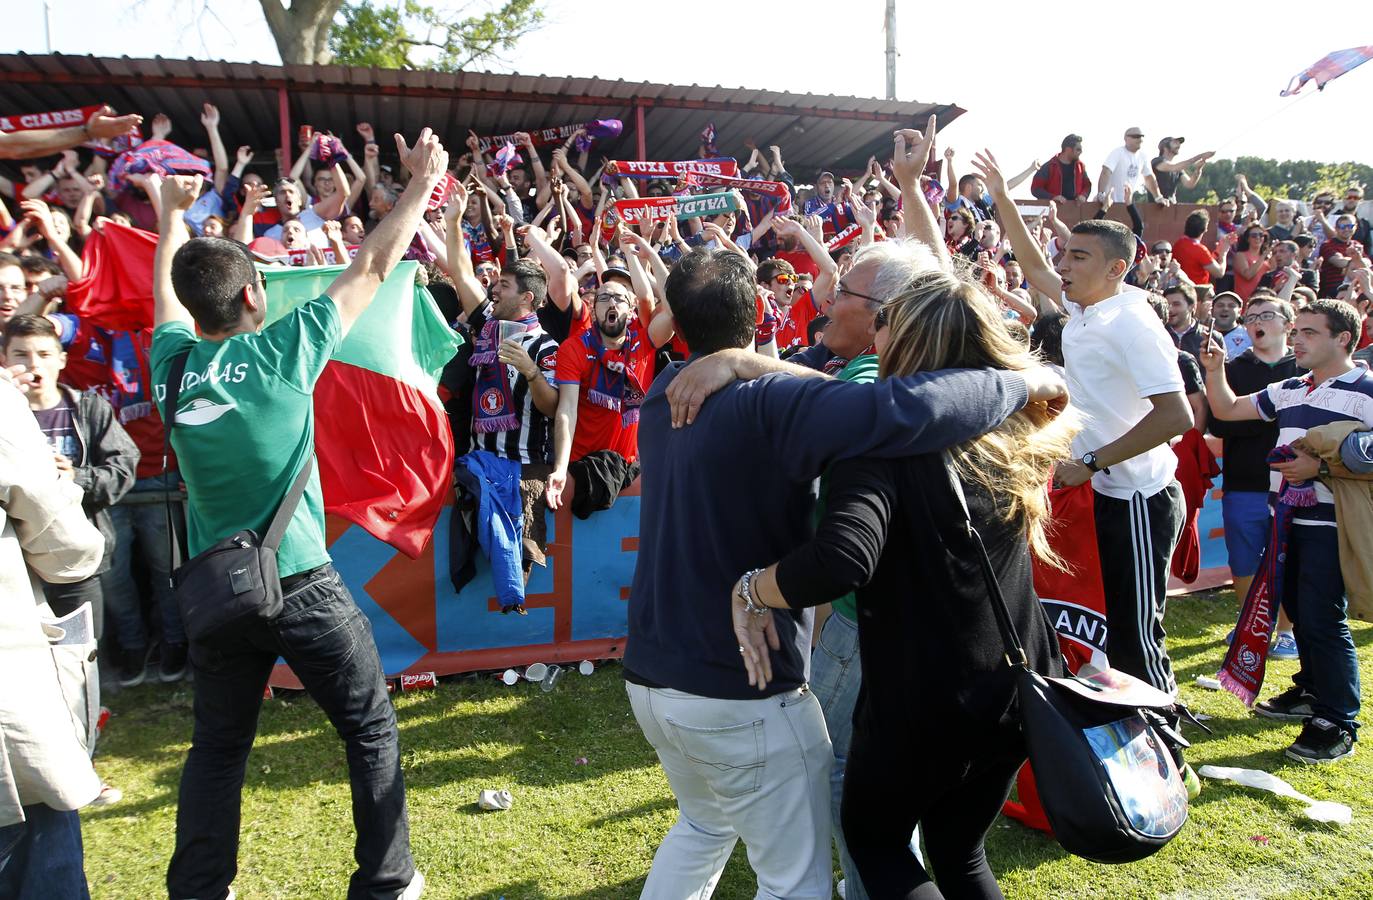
{"x":1253,"y":259}
{"x":891,"y":531}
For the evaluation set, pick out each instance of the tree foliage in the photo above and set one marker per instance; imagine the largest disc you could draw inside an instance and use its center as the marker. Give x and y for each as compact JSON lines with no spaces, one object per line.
{"x":1273,"y":179}
{"x":422,"y":36}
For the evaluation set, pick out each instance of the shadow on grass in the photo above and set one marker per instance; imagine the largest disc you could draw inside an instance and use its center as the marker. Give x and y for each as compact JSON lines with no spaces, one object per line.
{"x":446,"y":735}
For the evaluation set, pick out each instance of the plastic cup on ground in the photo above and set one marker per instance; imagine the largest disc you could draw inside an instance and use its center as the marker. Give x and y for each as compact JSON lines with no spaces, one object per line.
{"x":536,"y":672}
{"x":586,"y":667}
{"x":551,"y":679}
{"x":510,"y":676}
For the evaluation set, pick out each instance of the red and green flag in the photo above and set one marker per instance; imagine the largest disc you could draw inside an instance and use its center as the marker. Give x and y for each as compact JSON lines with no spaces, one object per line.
{"x":382,"y":438}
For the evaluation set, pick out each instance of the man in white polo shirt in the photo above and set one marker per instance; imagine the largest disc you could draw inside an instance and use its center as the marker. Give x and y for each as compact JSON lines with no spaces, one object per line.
{"x":1123,"y":375}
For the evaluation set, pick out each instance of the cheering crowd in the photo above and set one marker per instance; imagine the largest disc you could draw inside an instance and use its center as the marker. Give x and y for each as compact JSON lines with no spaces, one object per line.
{"x":813,"y":384}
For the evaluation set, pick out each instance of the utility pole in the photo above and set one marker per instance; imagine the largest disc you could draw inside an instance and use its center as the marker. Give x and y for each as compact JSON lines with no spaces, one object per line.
{"x":890,"y":28}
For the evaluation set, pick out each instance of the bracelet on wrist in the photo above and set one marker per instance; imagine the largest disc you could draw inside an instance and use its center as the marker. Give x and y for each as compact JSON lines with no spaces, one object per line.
{"x":746,"y":591}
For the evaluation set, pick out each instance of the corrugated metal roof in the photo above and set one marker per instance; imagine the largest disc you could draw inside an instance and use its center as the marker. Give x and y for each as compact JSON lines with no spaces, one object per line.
{"x":813,"y":131}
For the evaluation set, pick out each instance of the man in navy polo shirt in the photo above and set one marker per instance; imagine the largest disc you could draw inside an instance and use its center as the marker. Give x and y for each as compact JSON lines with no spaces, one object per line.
{"x":1325,"y":692}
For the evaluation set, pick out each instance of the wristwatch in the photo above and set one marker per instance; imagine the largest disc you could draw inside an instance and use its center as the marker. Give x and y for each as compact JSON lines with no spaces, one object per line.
{"x":1089,"y":460}
{"x":1324,"y":470}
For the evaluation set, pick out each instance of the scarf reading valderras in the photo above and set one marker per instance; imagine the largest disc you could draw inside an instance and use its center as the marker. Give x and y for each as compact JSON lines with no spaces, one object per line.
{"x":1241,"y":673}
{"x":617,"y":387}
{"x":775,"y":190}
{"x":493,"y":403}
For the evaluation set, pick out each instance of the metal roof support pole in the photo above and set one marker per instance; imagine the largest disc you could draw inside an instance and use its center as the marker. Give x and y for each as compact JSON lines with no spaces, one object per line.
{"x":284,"y":118}
{"x":639,"y":134}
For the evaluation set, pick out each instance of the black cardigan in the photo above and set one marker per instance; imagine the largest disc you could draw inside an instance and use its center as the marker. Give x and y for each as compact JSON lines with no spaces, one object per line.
{"x":933,"y":658}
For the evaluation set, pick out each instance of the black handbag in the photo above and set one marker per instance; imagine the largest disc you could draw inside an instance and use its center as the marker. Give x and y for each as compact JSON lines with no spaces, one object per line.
{"x":1100,"y":746}
{"x":233,"y":585}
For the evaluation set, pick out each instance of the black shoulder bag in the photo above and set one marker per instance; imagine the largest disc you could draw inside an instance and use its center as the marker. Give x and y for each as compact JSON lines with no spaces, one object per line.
{"x":233,"y":585}
{"x":1101,"y":748}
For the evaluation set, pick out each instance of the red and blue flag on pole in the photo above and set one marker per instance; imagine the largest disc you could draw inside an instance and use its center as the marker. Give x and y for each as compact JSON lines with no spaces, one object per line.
{"x":1328,"y":68}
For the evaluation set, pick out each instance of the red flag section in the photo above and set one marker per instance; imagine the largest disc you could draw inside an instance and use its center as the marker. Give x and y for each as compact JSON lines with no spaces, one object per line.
{"x":117,"y":292}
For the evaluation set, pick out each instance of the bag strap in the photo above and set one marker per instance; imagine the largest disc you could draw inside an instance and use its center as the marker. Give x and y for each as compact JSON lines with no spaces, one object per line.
{"x":1015,"y":651}
{"x":173,"y":394}
{"x":277,"y":530}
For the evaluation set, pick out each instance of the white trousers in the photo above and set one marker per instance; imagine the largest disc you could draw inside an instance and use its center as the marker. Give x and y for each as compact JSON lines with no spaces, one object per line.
{"x":752,"y":769}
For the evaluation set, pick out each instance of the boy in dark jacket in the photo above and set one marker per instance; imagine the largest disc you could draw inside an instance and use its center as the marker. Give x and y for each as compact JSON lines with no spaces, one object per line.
{"x":89,"y":446}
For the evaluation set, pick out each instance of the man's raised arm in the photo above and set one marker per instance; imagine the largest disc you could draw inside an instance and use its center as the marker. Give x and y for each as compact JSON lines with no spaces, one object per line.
{"x":1038,"y":272}
{"x":353,"y":290}
{"x":177,"y":193}
{"x":100,"y":126}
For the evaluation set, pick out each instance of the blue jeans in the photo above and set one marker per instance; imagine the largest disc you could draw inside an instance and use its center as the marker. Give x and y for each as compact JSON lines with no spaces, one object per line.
{"x":143,"y":524}
{"x":1313,"y":595}
{"x":328,"y":643}
{"x":836,"y":673}
{"x":41,"y":857}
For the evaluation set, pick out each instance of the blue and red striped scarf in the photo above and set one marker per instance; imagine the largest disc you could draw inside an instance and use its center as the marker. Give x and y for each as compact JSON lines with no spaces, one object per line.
{"x":616,"y":386}
{"x":493,"y":402}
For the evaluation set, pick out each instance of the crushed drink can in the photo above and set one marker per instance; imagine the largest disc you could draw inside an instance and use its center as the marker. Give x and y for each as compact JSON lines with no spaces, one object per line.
{"x":103,"y":720}
{"x":307,"y":134}
{"x":419,"y":681}
{"x":267,"y":693}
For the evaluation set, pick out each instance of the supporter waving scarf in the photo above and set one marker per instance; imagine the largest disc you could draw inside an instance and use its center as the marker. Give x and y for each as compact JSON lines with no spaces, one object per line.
{"x":617,"y":386}
{"x":593,"y":130}
{"x":634,"y":168}
{"x":162,"y":157}
{"x":1242,"y":670}
{"x":775,"y":190}
{"x":494,"y":403}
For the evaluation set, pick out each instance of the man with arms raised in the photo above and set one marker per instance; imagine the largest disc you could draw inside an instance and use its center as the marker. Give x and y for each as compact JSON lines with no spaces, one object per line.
{"x":1123,"y":374}
{"x":1325,"y":692}
{"x":244,"y":429}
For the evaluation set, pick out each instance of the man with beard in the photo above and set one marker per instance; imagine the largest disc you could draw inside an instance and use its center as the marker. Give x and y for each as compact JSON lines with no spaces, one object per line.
{"x":602,"y":374}
{"x":1182,"y":320}
{"x":1064,"y":177}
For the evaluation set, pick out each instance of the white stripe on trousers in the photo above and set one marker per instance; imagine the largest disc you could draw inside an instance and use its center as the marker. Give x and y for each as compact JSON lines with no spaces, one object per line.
{"x":1146,"y":605}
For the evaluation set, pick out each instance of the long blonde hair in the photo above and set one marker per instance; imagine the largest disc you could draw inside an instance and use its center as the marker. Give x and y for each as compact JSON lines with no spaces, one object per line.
{"x":941,"y":321}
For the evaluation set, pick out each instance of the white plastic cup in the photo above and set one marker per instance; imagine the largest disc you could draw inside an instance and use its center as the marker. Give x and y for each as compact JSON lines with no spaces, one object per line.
{"x":586,"y":667}
{"x":536,"y":672}
{"x":510,"y":676}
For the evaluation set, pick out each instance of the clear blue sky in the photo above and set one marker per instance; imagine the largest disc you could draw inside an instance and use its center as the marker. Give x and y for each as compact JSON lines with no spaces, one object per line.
{"x":1003,"y":60}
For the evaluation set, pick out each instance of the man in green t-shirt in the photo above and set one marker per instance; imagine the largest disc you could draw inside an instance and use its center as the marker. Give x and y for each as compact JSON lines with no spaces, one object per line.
{"x":244,"y":429}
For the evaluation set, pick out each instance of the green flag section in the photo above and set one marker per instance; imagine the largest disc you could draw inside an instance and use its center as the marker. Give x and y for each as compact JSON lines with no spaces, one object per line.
{"x":382,"y":438}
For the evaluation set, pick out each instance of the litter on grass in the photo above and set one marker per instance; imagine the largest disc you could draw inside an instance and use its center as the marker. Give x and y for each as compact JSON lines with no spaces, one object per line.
{"x":495,"y":800}
{"x":1316,"y":810}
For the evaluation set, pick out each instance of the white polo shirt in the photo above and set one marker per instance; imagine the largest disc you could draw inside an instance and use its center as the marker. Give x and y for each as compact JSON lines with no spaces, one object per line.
{"x":1117,"y":355}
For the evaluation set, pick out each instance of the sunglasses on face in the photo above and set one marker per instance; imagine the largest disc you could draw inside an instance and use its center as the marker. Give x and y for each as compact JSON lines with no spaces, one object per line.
{"x":1344,"y":227}
{"x":1135,"y":136}
{"x":784,"y":278}
{"x":880,"y":320}
{"x":1266,"y":316}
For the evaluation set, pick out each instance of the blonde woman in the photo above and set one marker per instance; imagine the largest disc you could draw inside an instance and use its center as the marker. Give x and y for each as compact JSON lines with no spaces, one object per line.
{"x":934,"y":741}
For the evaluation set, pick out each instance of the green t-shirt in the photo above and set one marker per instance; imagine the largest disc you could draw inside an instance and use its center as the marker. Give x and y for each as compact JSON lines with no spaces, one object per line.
{"x":245,"y":425}
{"x":861,"y":370}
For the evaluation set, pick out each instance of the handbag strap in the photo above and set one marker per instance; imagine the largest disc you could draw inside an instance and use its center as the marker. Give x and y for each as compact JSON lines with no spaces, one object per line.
{"x":276,"y":530}
{"x":1015,"y":651}
{"x":173,"y":394}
